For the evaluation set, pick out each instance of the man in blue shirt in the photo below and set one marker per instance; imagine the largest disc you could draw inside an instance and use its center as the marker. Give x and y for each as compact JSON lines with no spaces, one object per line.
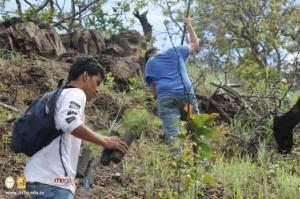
{"x":169,"y":83}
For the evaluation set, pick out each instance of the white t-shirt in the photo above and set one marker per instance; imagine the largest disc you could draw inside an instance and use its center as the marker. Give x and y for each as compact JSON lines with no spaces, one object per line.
{"x":45,"y":166}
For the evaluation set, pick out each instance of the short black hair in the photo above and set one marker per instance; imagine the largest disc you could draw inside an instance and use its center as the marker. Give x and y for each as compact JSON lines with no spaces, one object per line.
{"x":149,"y":52}
{"x":88,"y":64}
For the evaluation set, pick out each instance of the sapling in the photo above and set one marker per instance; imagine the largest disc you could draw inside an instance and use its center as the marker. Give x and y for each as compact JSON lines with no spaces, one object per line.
{"x":105,"y":155}
{"x":134,"y":122}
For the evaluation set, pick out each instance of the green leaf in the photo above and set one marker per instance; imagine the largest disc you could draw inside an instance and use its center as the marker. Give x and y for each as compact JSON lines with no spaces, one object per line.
{"x":209,"y":132}
{"x":205,"y":150}
{"x":199,"y":120}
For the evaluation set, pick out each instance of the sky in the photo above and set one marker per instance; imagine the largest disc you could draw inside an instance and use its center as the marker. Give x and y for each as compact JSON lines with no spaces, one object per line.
{"x":156,"y":19}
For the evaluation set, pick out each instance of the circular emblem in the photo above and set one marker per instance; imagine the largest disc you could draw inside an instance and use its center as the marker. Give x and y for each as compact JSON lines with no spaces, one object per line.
{"x":9,"y":182}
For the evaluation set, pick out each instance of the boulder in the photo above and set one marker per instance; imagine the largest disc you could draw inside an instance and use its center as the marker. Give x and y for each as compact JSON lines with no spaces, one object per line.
{"x":130,"y":41}
{"x":87,"y":42}
{"x":30,"y":37}
{"x":122,"y":68}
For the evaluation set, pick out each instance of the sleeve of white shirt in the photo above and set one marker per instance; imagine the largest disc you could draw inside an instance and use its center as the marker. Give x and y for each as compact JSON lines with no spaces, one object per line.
{"x":70,"y":110}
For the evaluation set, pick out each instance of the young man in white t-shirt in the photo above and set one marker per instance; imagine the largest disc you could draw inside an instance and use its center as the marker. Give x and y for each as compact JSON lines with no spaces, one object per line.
{"x":50,"y":173}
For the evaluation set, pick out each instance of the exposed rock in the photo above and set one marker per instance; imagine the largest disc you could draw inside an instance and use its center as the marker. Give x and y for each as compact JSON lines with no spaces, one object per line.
{"x":119,"y":55}
{"x":121,"y":67}
{"x":87,"y":41}
{"x":130,"y":41}
{"x":30,"y":37}
{"x":114,"y":49}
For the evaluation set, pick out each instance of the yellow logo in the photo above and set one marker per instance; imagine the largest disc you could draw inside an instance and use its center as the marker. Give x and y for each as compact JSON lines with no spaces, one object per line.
{"x":21,"y":182}
{"x":9,"y":182}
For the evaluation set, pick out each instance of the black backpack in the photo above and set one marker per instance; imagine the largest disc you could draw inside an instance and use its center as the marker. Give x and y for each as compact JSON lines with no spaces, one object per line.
{"x":36,"y":127}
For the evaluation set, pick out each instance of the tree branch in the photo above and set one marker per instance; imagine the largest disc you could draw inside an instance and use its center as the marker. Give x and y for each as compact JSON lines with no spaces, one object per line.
{"x":28,"y":3}
{"x":42,"y":6}
{"x":75,"y":14}
{"x":8,"y":107}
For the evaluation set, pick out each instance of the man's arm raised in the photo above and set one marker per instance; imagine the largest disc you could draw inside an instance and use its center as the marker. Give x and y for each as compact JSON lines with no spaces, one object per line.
{"x":194,"y":41}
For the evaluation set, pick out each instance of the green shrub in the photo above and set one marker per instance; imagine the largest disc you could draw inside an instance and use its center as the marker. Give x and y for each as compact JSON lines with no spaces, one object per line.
{"x":138,"y":121}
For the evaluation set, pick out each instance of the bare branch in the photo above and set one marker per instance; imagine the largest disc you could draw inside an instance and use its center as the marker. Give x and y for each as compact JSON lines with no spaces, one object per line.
{"x":42,"y":6}
{"x":28,"y":3}
{"x":8,"y":107}
{"x":77,"y":13}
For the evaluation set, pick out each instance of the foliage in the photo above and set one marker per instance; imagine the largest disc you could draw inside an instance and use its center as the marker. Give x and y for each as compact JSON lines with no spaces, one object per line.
{"x":138,"y":121}
{"x":109,"y":80}
{"x":114,"y":22}
{"x":46,"y":15}
{"x":256,"y":31}
{"x":137,"y":93}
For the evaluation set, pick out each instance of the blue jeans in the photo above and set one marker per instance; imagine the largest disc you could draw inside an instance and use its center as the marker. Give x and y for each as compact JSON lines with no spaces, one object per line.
{"x":170,"y":109}
{"x":43,"y":191}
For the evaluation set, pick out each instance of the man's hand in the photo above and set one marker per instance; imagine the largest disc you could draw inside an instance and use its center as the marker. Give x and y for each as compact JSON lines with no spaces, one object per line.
{"x":114,"y":142}
{"x":152,"y":90}
{"x":188,"y":22}
{"x":194,"y":43}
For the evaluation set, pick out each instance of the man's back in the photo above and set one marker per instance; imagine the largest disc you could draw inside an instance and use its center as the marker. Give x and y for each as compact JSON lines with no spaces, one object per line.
{"x":162,"y":70}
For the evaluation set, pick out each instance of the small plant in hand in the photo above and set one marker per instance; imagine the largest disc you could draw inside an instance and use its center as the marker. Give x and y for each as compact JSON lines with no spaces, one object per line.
{"x":134,"y":122}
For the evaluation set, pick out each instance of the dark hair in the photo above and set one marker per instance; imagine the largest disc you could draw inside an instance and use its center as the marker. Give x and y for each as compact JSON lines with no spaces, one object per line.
{"x":149,"y":52}
{"x":82,"y":64}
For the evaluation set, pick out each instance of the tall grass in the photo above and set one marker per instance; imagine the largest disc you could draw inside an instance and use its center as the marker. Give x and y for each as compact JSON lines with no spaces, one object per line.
{"x":238,"y":176}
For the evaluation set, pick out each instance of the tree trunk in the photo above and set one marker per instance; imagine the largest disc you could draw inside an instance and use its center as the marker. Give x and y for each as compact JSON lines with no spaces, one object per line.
{"x":147,"y":27}
{"x":19,"y":8}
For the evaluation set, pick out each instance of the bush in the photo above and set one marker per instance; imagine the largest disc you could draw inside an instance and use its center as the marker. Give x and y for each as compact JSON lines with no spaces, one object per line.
{"x":138,"y":121}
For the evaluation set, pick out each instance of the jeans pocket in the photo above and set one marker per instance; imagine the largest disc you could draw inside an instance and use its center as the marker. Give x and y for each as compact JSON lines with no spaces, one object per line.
{"x":167,"y":105}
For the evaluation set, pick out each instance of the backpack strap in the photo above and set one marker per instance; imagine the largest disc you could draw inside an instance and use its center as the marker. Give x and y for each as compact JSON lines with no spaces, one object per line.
{"x":60,"y":83}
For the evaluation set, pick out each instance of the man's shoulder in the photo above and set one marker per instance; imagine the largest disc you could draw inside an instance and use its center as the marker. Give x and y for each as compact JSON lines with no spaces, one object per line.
{"x":74,"y":92}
